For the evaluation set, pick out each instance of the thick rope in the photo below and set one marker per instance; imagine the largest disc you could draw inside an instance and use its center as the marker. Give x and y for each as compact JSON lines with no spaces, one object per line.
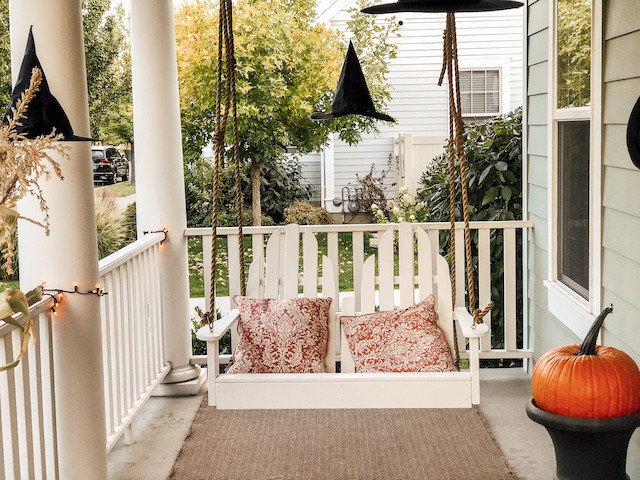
{"x":226,"y":58}
{"x":446,"y":68}
{"x":456,"y":150}
{"x":231,"y":96}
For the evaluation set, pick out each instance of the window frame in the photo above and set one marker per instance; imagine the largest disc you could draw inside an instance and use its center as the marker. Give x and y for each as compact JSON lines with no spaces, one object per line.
{"x":572,"y":309}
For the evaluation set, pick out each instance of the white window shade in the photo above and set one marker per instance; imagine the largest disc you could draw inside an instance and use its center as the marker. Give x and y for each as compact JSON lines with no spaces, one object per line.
{"x":480,"y":91}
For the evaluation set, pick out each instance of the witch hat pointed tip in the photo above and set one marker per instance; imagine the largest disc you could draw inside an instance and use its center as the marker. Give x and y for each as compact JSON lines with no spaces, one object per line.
{"x":352,"y":95}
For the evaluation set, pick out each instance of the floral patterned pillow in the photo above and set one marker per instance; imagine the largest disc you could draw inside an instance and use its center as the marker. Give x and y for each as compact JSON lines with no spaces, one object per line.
{"x":281,"y":336}
{"x":408,"y":340}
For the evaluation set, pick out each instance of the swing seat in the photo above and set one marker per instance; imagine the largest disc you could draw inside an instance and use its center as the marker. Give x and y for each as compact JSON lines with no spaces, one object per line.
{"x":277,"y":276}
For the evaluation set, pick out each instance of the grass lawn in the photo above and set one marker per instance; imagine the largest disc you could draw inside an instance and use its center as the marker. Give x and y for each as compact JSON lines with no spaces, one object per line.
{"x":122,"y":189}
{"x":4,"y":284}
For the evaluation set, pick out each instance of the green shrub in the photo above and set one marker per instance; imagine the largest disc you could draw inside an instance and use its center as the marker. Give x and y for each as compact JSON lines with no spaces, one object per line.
{"x":280,"y":186}
{"x":130,"y":224}
{"x":305,"y":213}
{"x":109,"y":224}
{"x":494,"y":155}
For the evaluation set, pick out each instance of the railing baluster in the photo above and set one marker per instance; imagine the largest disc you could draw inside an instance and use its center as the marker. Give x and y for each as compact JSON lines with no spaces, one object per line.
{"x":332,"y":253}
{"x":7,"y":417}
{"x":32,"y":361}
{"x":358,"y":262}
{"x":510,"y":289}
{"x":233,"y":242}
{"x":484,"y":281}
{"x":207,"y":242}
{"x":48,"y":413}
{"x":460,"y":268}
{"x":21,"y":392}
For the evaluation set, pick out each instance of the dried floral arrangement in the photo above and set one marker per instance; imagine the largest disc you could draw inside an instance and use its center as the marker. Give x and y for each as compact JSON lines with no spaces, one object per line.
{"x":23,"y":163}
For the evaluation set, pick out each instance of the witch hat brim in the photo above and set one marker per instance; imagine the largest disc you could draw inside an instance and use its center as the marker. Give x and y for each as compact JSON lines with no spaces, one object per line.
{"x":352,"y":95}
{"x":442,"y":6}
{"x":633,"y":134}
{"x":44,"y":113}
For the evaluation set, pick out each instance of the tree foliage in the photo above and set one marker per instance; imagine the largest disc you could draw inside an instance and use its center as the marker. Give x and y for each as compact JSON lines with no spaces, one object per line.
{"x":574,"y":53}
{"x":287,"y":67}
{"x":106,"y":40}
{"x":107,"y":52}
{"x":5,"y":53}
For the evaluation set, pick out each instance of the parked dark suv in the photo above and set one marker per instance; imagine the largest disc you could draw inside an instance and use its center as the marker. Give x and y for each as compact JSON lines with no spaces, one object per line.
{"x":108,"y":165}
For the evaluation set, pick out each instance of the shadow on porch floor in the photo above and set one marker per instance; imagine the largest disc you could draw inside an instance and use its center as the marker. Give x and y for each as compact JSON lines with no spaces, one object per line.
{"x":164,"y":422}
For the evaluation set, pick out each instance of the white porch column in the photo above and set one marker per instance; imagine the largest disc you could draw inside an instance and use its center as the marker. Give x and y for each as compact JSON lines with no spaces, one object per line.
{"x":160,"y":193}
{"x":69,"y":254}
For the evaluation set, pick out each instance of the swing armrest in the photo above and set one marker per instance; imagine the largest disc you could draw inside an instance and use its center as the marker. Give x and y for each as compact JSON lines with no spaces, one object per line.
{"x":467,"y":327}
{"x":220,"y":327}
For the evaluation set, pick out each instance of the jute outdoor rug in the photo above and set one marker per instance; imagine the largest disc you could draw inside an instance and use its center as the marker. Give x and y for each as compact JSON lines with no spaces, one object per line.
{"x":408,"y":444}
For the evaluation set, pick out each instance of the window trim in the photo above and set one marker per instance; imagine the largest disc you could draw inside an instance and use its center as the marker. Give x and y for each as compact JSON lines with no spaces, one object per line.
{"x":575,"y":312}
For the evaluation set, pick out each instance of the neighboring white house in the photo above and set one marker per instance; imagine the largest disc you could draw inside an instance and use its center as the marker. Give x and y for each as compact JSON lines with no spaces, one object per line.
{"x":490,"y":50}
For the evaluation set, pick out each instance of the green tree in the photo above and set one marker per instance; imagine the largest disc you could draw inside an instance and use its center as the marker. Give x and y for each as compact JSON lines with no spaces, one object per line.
{"x":287,"y":67}
{"x":108,"y":69}
{"x":5,"y":53}
{"x":106,"y":40}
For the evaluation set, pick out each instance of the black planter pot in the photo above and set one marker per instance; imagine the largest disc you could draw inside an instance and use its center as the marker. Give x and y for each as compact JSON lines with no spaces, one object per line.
{"x":588,"y":448}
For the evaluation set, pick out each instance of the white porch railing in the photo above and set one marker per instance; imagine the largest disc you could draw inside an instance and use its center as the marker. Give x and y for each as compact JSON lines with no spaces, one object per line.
{"x":355,"y":236}
{"x":132,"y":332}
{"x":133,"y":355}
{"x":28,"y":447}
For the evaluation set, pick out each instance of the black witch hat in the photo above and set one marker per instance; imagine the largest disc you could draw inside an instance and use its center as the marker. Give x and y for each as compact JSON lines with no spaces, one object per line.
{"x":352,"y":95}
{"x":633,"y":134}
{"x":44,"y":112}
{"x":442,"y":6}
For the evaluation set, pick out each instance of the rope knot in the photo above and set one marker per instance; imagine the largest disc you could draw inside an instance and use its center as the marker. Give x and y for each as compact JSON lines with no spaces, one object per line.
{"x":206,"y":317}
{"x":478,"y":314}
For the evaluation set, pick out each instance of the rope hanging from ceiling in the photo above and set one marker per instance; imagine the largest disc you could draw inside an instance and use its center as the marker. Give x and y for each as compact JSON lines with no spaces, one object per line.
{"x":456,"y":152}
{"x":226,"y":92}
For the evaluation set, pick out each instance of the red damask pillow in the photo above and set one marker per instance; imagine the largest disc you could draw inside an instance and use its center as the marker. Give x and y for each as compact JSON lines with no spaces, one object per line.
{"x":281,"y":336}
{"x":407,"y":340}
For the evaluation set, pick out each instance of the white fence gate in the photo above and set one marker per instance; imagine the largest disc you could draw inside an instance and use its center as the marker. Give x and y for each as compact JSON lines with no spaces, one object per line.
{"x":413,"y":154}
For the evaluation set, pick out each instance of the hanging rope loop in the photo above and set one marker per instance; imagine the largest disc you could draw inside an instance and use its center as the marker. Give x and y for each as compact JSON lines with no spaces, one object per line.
{"x":457,"y":156}
{"x":225,"y":103}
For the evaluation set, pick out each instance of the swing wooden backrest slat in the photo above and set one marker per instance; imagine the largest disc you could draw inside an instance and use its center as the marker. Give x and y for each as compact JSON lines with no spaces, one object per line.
{"x":276,"y":275}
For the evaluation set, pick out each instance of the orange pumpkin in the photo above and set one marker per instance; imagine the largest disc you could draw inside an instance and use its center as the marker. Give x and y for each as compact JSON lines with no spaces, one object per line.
{"x":587,"y":381}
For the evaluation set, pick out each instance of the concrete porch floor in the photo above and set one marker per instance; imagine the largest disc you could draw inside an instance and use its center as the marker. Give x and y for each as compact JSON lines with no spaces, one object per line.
{"x":163,"y":424}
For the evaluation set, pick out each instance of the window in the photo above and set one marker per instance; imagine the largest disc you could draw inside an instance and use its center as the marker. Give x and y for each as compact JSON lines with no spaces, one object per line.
{"x":573,"y":131}
{"x":480,"y":92}
{"x":573,"y":205}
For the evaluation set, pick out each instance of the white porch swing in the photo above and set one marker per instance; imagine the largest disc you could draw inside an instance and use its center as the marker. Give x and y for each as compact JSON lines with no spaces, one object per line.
{"x":277,"y":276}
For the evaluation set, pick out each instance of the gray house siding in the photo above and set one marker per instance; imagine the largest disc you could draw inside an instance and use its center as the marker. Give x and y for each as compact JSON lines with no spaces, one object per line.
{"x":545,"y":331}
{"x":620,"y":186}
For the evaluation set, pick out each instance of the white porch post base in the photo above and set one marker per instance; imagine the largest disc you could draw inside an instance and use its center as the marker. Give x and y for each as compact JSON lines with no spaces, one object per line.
{"x":183,"y":388}
{"x":160,"y":193}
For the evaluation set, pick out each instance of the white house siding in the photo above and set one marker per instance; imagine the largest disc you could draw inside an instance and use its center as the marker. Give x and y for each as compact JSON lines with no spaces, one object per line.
{"x":418,"y":104}
{"x":620,"y":186}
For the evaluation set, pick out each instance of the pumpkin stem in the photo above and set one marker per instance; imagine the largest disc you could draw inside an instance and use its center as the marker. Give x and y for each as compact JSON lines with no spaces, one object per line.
{"x":588,"y":346}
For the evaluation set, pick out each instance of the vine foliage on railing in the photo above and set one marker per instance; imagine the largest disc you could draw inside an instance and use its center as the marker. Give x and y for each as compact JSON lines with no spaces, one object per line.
{"x":13,"y":301}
